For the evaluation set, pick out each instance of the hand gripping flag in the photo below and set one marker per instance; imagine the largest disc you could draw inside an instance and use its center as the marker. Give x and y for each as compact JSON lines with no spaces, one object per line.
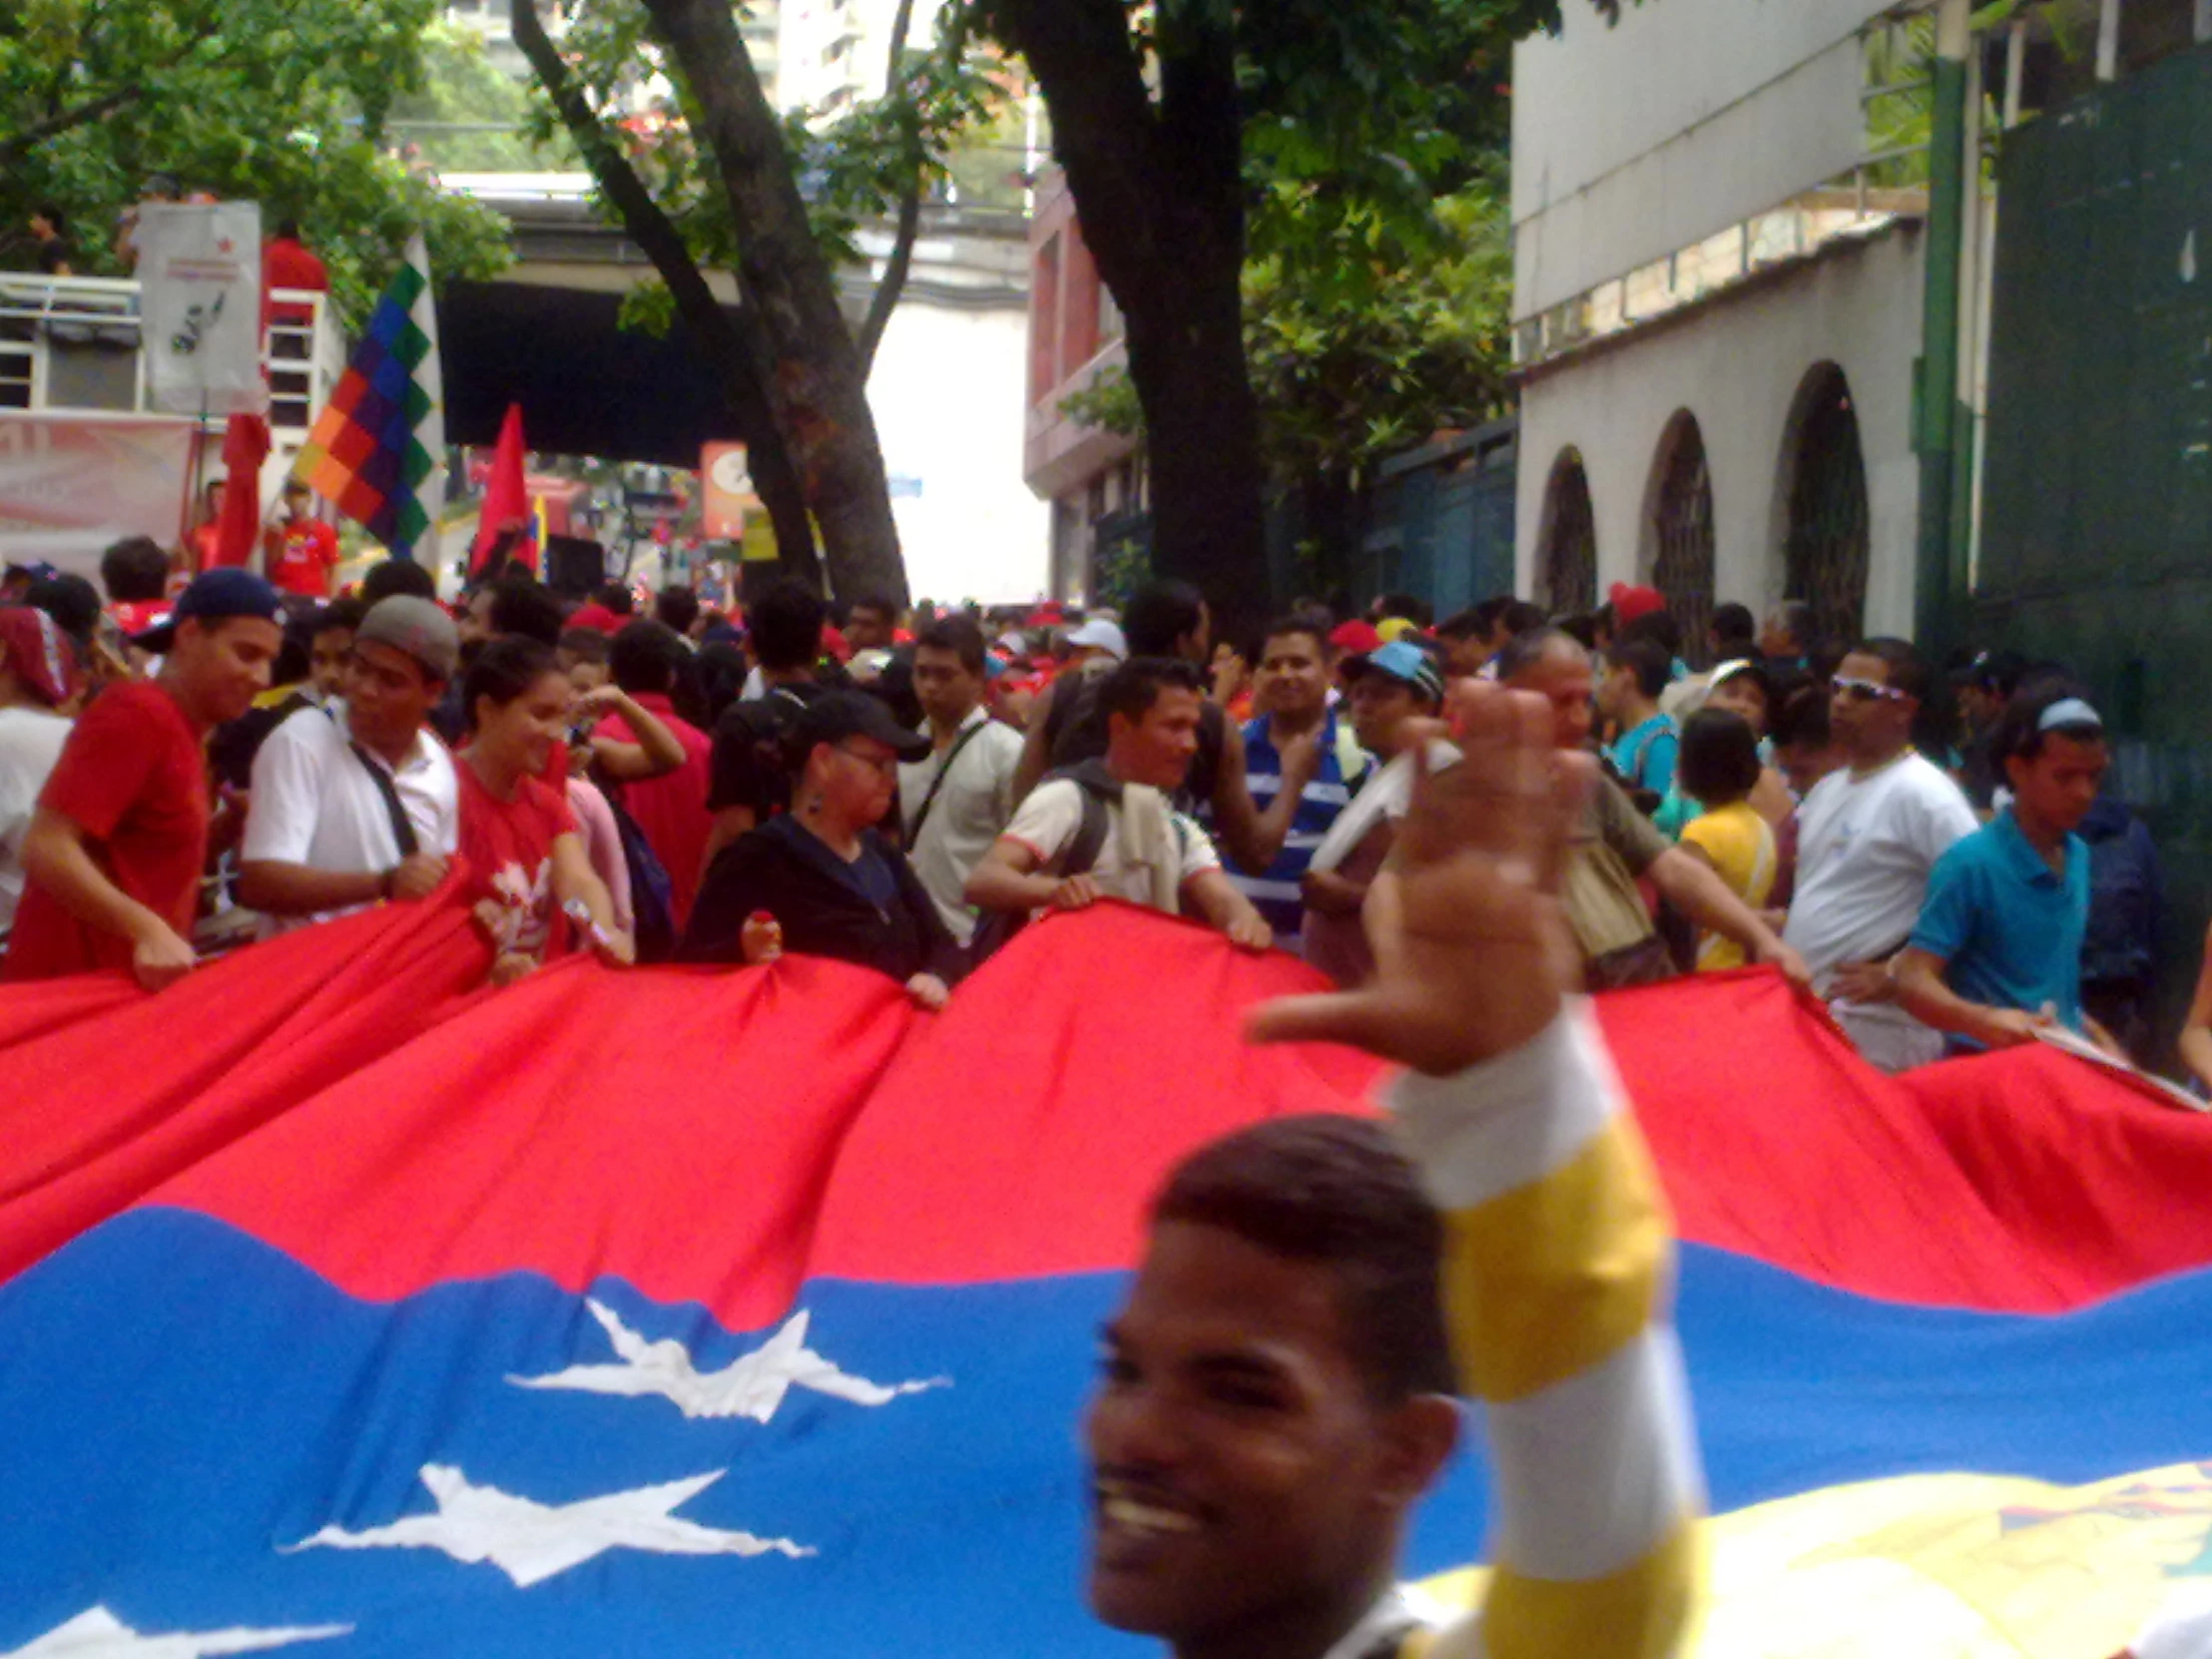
{"x":378,"y":448}
{"x":347,"y":1308}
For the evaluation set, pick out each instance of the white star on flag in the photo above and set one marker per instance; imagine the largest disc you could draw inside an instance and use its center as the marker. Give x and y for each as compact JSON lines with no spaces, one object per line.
{"x":98,"y":1635}
{"x":753,"y":1386}
{"x":530,"y":1542}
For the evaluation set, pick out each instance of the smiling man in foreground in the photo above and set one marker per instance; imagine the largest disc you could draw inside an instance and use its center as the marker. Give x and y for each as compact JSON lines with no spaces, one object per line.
{"x":1275,"y":1397}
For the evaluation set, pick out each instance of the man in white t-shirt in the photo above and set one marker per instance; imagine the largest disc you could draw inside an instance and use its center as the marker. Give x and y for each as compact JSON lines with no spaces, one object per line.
{"x":358,"y":802}
{"x":38,"y":689}
{"x":1104,"y":828}
{"x":1868,"y":840}
{"x":954,"y":806}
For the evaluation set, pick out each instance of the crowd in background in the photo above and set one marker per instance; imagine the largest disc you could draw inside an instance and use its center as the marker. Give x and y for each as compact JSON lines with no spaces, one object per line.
{"x":1933,"y":852}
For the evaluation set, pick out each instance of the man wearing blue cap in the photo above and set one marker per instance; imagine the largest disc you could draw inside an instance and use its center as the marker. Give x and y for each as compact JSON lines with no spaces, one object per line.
{"x":115,"y":851}
{"x":1996,"y":953}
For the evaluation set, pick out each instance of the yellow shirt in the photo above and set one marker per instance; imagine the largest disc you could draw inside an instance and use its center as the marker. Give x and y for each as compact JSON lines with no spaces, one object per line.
{"x":1741,"y":844}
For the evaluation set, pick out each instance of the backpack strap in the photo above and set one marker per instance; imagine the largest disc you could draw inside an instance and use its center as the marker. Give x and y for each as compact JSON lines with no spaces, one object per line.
{"x":1090,"y":835}
{"x":922,"y":816}
{"x":402,"y":831}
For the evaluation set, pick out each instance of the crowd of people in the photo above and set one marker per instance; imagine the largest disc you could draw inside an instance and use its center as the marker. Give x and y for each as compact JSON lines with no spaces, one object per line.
{"x":654,"y":780}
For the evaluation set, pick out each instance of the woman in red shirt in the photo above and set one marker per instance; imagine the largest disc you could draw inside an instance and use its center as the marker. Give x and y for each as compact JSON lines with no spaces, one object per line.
{"x":527,"y":865}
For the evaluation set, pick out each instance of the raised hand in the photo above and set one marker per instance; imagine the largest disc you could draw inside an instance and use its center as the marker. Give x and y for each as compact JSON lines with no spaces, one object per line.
{"x":1473,"y":955}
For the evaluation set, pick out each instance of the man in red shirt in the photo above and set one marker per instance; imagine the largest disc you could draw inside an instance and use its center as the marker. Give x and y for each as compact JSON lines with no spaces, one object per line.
{"x":287,"y":262}
{"x":301,"y":551}
{"x":670,"y":806}
{"x":114,"y":853}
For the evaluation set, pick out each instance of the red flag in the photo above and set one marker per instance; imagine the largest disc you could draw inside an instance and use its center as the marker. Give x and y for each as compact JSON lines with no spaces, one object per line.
{"x":506,"y":496}
{"x":245,"y":449}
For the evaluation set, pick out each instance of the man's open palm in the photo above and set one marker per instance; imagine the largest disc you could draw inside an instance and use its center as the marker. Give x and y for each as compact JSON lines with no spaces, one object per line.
{"x":1471,"y":952}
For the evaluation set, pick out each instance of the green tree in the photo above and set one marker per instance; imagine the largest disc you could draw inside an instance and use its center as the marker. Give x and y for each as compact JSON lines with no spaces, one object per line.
{"x":468,"y":116}
{"x":715,"y":185}
{"x":277,"y":101}
{"x":1197,"y":133}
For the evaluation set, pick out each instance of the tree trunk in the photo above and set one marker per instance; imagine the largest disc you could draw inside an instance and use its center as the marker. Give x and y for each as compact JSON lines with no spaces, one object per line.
{"x":814,"y":379}
{"x":722,"y":338}
{"x":1160,"y":191}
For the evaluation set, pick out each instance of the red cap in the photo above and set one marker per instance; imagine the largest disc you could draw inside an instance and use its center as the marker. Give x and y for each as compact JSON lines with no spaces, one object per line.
{"x":1356,"y":638}
{"x":37,"y":654}
{"x":596,"y":617}
{"x":1629,"y":603}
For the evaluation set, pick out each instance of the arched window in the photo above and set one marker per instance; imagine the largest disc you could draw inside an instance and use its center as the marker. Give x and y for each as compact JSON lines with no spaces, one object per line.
{"x":1682,"y":534}
{"x":1825,"y":554}
{"x":1566,"y":572}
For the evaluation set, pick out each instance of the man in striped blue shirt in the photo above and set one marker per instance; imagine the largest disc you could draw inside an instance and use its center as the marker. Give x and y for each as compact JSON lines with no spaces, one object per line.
{"x":1296,"y":734}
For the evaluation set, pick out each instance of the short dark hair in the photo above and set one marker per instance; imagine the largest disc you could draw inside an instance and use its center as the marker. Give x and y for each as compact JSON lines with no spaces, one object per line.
{"x":505,"y":668}
{"x":1159,"y":615}
{"x":882,"y":605}
{"x":1132,"y":689}
{"x":1659,"y":626}
{"x":70,"y":600}
{"x":394,"y":577}
{"x":1335,"y":1192}
{"x":288,"y":229}
{"x":1520,"y":617}
{"x":1645,"y":658}
{"x":784,"y":626}
{"x":1735,"y":625}
{"x":134,"y":570}
{"x":1801,"y":719}
{"x":1524,"y":650}
{"x":1999,"y":672}
{"x":646,"y":657}
{"x":2018,"y":733}
{"x":1475,"y":623}
{"x":1719,"y":762}
{"x":340,"y":612}
{"x":527,"y":608}
{"x":1411,"y":606}
{"x":586,"y":645}
{"x":1300,"y":622}
{"x":675,"y":606}
{"x":958,"y":634}
{"x":616,"y":597}
{"x":52,"y":213}
{"x":1906,"y":669}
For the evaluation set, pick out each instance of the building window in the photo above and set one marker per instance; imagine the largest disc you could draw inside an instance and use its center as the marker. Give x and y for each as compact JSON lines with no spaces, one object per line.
{"x":1682,"y":531}
{"x":1824,"y":561}
{"x":1566,"y":573}
{"x":1044,"y":322}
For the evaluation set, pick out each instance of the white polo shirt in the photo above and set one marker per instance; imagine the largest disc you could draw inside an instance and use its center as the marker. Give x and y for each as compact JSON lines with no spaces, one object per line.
{"x":314,"y":803}
{"x":970,"y":813}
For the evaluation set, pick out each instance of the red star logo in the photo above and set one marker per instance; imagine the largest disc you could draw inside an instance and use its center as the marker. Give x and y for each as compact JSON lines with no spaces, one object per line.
{"x":224,"y":247}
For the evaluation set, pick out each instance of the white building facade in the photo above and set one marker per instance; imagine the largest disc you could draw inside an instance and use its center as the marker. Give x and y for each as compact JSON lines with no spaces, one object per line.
{"x":1717,"y":302}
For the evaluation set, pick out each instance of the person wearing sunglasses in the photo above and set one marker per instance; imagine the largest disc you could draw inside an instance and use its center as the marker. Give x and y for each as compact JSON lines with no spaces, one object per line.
{"x":1868,"y":839}
{"x":818,"y":880}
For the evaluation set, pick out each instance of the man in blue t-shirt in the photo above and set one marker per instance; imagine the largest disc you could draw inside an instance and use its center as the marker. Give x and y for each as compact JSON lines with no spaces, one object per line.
{"x":1637,"y":671}
{"x":1292,"y":694}
{"x":1996,"y":953}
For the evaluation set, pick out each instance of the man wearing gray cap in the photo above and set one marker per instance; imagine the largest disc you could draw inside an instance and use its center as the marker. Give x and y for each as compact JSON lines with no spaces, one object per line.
{"x":358,"y":802}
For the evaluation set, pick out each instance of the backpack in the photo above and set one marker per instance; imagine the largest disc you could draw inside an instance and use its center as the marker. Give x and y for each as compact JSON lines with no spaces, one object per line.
{"x":1075,"y":732}
{"x":999,"y":927}
{"x":652,"y":896}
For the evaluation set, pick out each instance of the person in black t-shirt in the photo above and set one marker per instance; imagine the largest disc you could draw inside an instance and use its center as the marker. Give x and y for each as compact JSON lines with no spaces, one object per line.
{"x":49,"y":229}
{"x":750,"y":778}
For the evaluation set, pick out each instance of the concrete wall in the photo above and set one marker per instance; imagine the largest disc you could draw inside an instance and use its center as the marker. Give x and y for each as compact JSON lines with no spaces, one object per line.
{"x":946,"y":394}
{"x":1739,"y":366}
{"x":1633,"y":140}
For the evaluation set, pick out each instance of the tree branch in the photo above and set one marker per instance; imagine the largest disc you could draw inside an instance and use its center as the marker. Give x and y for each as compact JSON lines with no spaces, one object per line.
{"x":22,"y":144}
{"x":718,"y":333}
{"x":894,"y":283}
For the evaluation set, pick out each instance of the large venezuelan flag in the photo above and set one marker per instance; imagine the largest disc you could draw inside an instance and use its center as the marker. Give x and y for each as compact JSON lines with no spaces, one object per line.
{"x":346,"y":1308}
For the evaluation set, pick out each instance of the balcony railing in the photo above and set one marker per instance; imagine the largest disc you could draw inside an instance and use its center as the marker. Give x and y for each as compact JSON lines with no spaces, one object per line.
{"x":73,"y":342}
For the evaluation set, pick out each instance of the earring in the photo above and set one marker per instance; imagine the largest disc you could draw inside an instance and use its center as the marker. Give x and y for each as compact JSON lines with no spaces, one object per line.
{"x":813,"y":803}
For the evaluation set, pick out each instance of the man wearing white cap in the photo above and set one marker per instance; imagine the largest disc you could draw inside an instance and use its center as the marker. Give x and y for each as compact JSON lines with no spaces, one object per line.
{"x":1996,"y":953}
{"x":1097,"y":638}
{"x":358,"y":803}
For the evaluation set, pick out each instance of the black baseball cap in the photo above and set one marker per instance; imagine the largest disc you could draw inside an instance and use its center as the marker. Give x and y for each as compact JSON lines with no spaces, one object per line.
{"x":214,"y":596}
{"x":839,"y":715}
